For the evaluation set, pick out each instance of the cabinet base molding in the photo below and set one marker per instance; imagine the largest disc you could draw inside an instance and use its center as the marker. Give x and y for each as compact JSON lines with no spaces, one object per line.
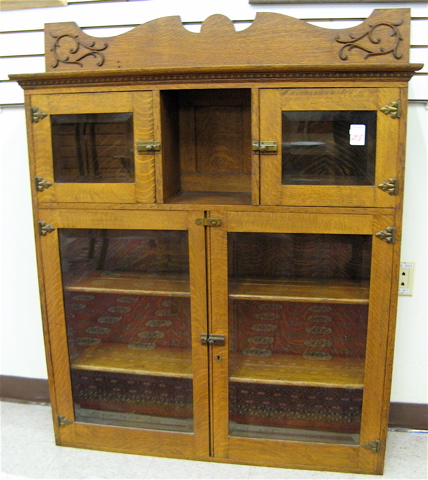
{"x":411,"y":416}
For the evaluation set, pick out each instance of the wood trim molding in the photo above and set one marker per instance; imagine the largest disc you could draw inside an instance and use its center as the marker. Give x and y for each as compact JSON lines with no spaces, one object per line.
{"x":235,"y":74}
{"x":411,"y":416}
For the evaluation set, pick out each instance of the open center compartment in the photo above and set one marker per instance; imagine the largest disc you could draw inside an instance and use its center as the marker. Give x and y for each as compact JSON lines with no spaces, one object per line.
{"x":206,"y":146}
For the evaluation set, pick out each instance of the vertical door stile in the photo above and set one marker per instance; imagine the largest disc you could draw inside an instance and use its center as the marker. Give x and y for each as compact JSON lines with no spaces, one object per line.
{"x":387,"y":148}
{"x":270,"y":130}
{"x":219,"y":326}
{"x":43,"y":149}
{"x":255,"y":132}
{"x":198,"y":294}
{"x":57,"y":331}
{"x":144,"y":131}
{"x":377,"y":338}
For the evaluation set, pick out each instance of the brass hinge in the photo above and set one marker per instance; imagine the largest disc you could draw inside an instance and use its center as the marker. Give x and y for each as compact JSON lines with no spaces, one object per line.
{"x":388,"y":235}
{"x":217,"y":340}
{"x":146,"y":148}
{"x":265,"y":147}
{"x":63,"y":421}
{"x":393,"y":109}
{"x":390,"y":186}
{"x":42,"y":184}
{"x":372,"y":446}
{"x":44,"y":228}
{"x":208,"y":222}
{"x":37,"y":114}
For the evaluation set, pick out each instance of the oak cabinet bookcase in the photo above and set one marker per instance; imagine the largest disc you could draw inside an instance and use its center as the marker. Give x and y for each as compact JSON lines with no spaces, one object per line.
{"x":218,"y":226}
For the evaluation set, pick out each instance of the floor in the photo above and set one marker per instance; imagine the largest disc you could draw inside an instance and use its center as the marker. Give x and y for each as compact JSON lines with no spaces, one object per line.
{"x":28,"y":451}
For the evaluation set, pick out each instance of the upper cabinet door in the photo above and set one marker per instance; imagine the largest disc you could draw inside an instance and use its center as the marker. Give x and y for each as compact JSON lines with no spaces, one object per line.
{"x":335,"y":147}
{"x":85,"y":147}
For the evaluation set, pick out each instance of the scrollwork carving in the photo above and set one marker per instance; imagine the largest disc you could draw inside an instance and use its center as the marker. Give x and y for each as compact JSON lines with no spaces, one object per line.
{"x":375,"y":37}
{"x":74,"y":50}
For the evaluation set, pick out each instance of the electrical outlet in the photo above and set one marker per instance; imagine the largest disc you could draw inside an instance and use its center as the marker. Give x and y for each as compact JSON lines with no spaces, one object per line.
{"x":405,"y":283}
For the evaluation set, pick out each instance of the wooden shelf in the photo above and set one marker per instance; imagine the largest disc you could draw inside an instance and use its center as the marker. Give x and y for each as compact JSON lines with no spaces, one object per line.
{"x":296,"y":290}
{"x":119,"y":358}
{"x":279,"y":369}
{"x":132,"y":284}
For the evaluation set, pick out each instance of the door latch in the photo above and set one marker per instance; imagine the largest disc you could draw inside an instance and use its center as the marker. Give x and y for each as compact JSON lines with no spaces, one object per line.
{"x":265,"y":147}
{"x":147,"y":148}
{"x":215,"y":340}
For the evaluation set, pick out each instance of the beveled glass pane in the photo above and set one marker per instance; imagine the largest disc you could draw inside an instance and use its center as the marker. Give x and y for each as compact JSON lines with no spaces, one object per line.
{"x":328,"y":147}
{"x":298,"y":312}
{"x":93,"y":148}
{"x":127,"y":309}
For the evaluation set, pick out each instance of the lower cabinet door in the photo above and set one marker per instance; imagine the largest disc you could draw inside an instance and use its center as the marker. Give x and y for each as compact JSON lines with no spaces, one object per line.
{"x":126,"y":306}
{"x":303,"y":303}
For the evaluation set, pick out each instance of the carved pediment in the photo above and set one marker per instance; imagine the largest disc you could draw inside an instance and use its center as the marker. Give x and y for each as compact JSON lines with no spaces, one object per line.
{"x":271,"y":40}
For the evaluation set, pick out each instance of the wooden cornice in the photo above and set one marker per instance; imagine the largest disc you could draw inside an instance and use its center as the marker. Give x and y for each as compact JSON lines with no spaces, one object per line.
{"x":236,"y":74}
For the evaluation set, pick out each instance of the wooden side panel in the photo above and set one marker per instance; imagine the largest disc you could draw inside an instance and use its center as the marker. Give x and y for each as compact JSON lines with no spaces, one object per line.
{"x":168,"y":165}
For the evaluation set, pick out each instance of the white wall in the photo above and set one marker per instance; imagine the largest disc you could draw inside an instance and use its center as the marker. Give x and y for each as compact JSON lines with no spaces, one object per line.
{"x":21,"y":51}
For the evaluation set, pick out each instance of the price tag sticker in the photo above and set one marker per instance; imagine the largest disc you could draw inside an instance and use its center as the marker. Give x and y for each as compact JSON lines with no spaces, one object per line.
{"x":357,"y":135}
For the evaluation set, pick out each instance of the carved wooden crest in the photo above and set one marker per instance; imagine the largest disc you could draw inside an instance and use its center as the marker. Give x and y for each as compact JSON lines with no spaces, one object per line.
{"x":271,"y":40}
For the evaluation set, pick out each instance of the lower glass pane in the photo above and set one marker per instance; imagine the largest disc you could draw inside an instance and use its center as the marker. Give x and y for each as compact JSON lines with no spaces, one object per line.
{"x":127,"y":309}
{"x":310,"y":414}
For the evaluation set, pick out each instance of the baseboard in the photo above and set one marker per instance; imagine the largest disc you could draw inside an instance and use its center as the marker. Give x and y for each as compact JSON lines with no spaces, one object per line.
{"x":21,"y":389}
{"x":412,"y":416}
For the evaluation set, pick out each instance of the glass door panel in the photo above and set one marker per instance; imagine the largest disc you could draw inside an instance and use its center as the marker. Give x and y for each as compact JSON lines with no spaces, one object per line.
{"x":328,"y":147}
{"x":298,"y":316}
{"x":93,"y":148}
{"x":127,"y":310}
